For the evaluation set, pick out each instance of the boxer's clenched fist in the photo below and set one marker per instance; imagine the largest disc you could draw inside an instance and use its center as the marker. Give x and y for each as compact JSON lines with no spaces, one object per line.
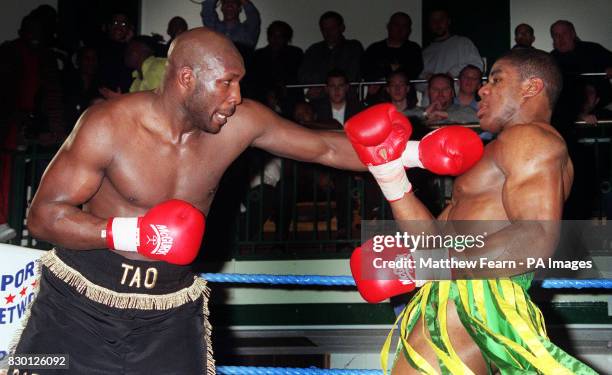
{"x":171,"y":231}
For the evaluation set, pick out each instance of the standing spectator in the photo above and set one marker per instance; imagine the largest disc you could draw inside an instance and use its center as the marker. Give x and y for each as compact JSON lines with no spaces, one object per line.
{"x":447,"y":53}
{"x":176,"y":26}
{"x":30,"y":103}
{"x":470,"y":81}
{"x":277,"y":64}
{"x":81,"y":85}
{"x":245,"y":33}
{"x":333,"y":52}
{"x":523,"y":36}
{"x":395,"y":52}
{"x":338,"y":106}
{"x":392,"y":54}
{"x":114,"y":75}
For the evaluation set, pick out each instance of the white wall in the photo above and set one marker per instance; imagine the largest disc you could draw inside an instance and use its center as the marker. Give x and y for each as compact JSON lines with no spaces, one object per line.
{"x":592,"y":19}
{"x":363,"y":20}
{"x":13,"y":11}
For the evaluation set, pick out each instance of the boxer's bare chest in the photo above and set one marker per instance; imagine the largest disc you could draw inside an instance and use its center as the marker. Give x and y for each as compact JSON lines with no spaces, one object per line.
{"x":147,"y":171}
{"x":477,"y":194}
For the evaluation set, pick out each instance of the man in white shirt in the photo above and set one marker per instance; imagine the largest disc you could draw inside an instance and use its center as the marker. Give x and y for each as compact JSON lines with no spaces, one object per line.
{"x":338,"y":106}
{"x":447,"y":53}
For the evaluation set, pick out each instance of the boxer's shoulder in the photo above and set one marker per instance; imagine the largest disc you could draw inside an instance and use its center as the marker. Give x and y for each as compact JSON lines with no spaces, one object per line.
{"x":535,"y":135}
{"x":524,"y":144}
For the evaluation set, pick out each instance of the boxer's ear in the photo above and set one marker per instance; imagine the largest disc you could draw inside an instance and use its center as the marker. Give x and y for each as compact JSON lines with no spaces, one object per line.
{"x":186,"y":77}
{"x":532,"y":87}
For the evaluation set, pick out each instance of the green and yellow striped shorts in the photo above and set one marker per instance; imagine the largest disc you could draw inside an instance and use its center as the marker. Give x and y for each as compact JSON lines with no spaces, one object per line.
{"x":499,"y":316}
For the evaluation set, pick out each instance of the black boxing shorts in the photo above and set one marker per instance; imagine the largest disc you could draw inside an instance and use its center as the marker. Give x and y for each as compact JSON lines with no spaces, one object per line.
{"x":113,"y":315}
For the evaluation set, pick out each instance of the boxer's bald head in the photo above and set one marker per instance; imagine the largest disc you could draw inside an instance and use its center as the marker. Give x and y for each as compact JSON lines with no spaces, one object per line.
{"x":204,"y":70}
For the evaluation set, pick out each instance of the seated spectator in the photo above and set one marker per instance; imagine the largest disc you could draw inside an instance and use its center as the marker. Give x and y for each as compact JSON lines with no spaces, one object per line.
{"x":401,"y":94}
{"x":447,"y":53}
{"x":245,"y":33}
{"x":398,"y":89}
{"x":277,"y":64}
{"x":304,"y":114}
{"x":147,"y":70}
{"x":470,"y":81}
{"x":333,"y":52}
{"x":395,"y":53}
{"x":523,"y":36}
{"x":331,"y":113}
{"x":442,"y":110}
{"x":338,"y":106}
{"x":591,"y":110}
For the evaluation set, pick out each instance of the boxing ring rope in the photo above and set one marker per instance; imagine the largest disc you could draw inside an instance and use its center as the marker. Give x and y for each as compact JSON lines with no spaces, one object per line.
{"x":341,"y":281}
{"x":242,"y":278}
{"x":254,"y":370}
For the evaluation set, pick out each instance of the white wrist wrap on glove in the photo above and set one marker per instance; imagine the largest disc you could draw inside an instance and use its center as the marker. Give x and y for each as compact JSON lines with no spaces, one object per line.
{"x":126,"y":235}
{"x":410,"y":156}
{"x":392,"y":179}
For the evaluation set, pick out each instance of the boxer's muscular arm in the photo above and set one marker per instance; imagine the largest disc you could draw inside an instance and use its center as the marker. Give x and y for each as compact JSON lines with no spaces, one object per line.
{"x":287,"y":139}
{"x":72,"y":178}
{"x":533,"y":162}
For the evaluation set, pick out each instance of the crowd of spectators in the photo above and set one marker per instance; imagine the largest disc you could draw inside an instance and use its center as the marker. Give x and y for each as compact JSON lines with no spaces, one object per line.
{"x":47,"y":87}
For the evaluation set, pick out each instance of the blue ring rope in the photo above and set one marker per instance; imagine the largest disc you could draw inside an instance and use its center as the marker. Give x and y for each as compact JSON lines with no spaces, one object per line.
{"x":252,"y":370}
{"x":242,"y":278}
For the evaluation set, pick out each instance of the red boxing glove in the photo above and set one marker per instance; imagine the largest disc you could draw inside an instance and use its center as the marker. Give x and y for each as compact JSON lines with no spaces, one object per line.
{"x":375,"y":288}
{"x":379,"y":135}
{"x":171,"y":231}
{"x":450,"y":150}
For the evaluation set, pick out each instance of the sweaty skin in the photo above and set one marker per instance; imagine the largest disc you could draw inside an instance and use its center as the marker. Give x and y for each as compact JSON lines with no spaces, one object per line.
{"x":128,"y":154}
{"x":525,"y":174}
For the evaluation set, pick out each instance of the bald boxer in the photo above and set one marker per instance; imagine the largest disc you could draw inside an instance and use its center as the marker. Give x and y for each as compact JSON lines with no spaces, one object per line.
{"x":123,"y":202}
{"x":525,"y":174}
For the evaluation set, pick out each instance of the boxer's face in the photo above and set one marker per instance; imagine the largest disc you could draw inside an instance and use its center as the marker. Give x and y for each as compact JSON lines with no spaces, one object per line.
{"x":500,"y":97}
{"x":217,"y":91}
